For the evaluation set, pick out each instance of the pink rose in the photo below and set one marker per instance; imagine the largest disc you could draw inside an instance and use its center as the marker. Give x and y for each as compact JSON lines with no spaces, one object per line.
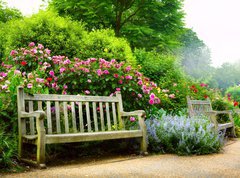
{"x":40,"y":46}
{"x":31,"y":44}
{"x":140,"y":82}
{"x":3,"y":74}
{"x":87,"y":92}
{"x":62,"y":69}
{"x":13,"y":52}
{"x":4,"y":87}
{"x":48,"y":51}
{"x":132,"y":119}
{"x":106,"y":72}
{"x":171,"y":96}
{"x":157,"y":101}
{"x":128,"y":77}
{"x":51,"y":73}
{"x":128,"y":68}
{"x":67,"y":61}
{"x":152,"y":96}
{"x":39,"y":80}
{"x":151,"y":101}
{"x":115,"y":75}
{"x":29,"y":85}
{"x":65,"y":87}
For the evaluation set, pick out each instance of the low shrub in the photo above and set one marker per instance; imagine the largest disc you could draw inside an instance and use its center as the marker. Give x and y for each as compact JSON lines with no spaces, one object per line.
{"x":182,"y":135}
{"x":8,"y":147}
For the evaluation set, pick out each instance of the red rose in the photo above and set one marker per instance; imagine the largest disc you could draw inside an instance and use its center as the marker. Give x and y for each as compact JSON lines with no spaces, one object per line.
{"x":23,"y":63}
{"x":235,"y":103}
{"x":49,"y":79}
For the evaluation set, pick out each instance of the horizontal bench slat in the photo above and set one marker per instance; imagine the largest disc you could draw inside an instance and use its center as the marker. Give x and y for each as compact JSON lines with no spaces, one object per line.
{"x":53,"y":97}
{"x":225,"y":125}
{"x":94,"y":136}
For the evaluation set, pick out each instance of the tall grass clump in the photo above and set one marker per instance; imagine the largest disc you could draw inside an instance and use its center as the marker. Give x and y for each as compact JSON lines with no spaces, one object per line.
{"x":182,"y":135}
{"x":7,"y":150}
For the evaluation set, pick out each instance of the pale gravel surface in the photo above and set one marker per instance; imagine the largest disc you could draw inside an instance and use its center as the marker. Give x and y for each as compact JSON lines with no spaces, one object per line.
{"x":226,"y":164}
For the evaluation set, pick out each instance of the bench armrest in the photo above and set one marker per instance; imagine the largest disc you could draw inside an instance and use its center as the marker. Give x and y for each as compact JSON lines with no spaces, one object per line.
{"x":134,"y":113}
{"x":213,"y":115}
{"x":38,"y":114}
{"x":141,"y":116}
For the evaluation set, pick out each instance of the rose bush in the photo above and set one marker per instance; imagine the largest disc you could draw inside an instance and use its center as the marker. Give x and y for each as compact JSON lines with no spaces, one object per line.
{"x":34,"y":68}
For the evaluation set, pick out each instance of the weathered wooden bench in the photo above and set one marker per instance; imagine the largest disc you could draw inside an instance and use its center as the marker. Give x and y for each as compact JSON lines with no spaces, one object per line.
{"x":204,"y":107}
{"x":49,"y":119}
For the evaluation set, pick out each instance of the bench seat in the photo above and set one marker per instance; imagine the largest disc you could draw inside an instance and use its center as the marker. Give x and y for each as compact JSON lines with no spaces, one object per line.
{"x":81,"y":137}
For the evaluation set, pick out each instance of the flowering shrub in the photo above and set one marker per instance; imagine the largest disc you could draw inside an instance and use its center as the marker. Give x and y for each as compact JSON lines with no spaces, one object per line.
{"x":182,"y":135}
{"x":34,"y":68}
{"x":165,"y":70}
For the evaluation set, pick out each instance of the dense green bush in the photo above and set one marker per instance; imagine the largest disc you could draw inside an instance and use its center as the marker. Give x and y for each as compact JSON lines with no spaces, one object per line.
{"x":63,"y":37}
{"x":182,"y":135}
{"x":159,"y":67}
{"x":104,"y":44}
{"x":234,"y":93}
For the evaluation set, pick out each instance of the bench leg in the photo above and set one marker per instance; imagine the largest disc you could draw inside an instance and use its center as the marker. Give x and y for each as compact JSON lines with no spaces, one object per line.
{"x":20,"y":148}
{"x":144,"y":146}
{"x":41,"y":153}
{"x":233,"y":134}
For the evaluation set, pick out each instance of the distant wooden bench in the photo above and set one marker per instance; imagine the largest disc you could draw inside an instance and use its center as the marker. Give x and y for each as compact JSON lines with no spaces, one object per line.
{"x":204,"y":107}
{"x":49,"y":119}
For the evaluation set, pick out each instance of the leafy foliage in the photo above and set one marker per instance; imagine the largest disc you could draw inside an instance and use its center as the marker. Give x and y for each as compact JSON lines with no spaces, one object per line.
{"x":60,"y":34}
{"x":227,"y":75}
{"x":64,"y":37}
{"x":7,"y":14}
{"x":7,"y":149}
{"x":167,"y":73}
{"x":145,"y":23}
{"x":104,"y":44}
{"x":234,"y":93}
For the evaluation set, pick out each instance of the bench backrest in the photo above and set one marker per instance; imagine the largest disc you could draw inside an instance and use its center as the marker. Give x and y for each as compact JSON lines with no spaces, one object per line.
{"x":198,"y":107}
{"x":73,"y":113}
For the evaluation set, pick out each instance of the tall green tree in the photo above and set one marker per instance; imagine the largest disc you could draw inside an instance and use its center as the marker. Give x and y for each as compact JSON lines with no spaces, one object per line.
{"x":7,"y":13}
{"x":145,"y":23}
{"x":227,"y":75}
{"x":196,"y":57}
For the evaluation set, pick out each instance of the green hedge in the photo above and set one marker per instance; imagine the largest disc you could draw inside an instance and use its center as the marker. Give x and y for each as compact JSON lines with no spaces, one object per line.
{"x":63,"y":37}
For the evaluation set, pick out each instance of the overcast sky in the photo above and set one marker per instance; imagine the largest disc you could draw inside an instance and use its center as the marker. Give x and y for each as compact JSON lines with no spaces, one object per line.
{"x":215,"y":21}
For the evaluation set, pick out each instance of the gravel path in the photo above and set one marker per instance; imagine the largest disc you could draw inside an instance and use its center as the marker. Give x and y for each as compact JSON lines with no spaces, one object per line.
{"x":225,"y":164}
